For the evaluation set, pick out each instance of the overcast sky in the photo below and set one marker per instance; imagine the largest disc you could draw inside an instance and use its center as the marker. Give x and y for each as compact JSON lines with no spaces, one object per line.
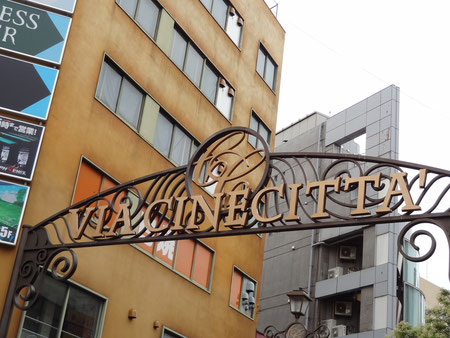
{"x":340,"y":52}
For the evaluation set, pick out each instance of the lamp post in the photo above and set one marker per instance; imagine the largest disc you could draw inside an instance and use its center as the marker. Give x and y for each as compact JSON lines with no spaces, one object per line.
{"x":298,"y":301}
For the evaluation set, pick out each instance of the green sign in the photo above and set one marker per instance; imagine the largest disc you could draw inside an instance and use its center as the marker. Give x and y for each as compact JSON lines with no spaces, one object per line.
{"x":12,"y":204}
{"x":31,"y":31}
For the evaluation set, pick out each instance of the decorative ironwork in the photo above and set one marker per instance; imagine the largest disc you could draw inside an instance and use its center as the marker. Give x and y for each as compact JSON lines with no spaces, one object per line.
{"x":296,"y":330}
{"x":251,"y":191}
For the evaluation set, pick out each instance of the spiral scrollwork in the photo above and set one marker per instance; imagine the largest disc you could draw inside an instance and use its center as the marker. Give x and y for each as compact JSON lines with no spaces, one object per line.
{"x":321,"y":332}
{"x":272,"y":332}
{"x":413,"y":237}
{"x":25,"y":296}
{"x":63,"y":267}
{"x":33,"y":269}
{"x":224,"y":162}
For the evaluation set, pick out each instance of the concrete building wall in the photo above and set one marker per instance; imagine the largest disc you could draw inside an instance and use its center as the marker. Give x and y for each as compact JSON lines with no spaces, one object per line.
{"x":369,"y":282}
{"x":431,"y":292}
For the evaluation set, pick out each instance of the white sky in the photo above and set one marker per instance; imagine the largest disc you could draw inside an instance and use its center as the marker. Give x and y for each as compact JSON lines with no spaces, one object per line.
{"x":340,"y":52}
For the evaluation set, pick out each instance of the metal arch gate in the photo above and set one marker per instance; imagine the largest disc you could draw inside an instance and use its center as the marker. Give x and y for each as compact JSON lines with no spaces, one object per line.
{"x":253,"y":191}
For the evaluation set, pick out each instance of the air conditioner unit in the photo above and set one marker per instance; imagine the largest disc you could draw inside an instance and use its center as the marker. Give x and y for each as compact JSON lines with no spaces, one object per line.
{"x":347,"y":252}
{"x":329,"y":323}
{"x":335,"y":272}
{"x":343,"y":308}
{"x":338,"y":331}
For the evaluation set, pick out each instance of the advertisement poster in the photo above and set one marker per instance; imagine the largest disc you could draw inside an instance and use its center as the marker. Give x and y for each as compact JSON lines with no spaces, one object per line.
{"x":64,"y":5}
{"x":19,"y":147}
{"x":32,"y":31}
{"x":13,"y":199}
{"x":26,"y":88}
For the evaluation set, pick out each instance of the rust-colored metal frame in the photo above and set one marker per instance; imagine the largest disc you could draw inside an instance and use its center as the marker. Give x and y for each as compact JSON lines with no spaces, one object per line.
{"x":50,"y":244}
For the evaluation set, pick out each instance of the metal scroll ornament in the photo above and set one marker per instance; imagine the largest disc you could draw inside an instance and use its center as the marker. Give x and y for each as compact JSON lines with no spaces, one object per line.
{"x":225,"y":162}
{"x":231,"y":188}
{"x":297,"y":330}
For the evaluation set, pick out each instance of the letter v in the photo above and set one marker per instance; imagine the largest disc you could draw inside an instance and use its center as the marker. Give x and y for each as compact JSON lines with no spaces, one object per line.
{"x":78,"y":223}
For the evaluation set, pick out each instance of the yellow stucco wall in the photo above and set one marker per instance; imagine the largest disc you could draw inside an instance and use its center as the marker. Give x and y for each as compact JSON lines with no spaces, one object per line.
{"x":79,"y":125}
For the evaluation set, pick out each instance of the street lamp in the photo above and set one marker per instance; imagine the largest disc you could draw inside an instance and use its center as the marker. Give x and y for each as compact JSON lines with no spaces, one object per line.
{"x":299,"y":301}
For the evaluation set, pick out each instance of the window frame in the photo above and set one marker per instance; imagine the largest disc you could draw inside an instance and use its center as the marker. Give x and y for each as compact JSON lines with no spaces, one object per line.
{"x":171,"y":266}
{"x":73,"y":284}
{"x":206,"y":62}
{"x":229,"y":5}
{"x":124,"y":75}
{"x":165,"y":328}
{"x":177,"y":28}
{"x":192,"y":46}
{"x":209,"y":65}
{"x":257,"y":118}
{"x":95,"y":167}
{"x":267,"y":56}
{"x":112,"y":64}
{"x":175,"y":124}
{"x":247,"y":276}
{"x":134,"y":18}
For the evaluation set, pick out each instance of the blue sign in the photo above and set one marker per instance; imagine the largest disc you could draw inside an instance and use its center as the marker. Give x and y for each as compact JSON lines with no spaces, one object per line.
{"x":31,"y":31}
{"x":26,"y":88}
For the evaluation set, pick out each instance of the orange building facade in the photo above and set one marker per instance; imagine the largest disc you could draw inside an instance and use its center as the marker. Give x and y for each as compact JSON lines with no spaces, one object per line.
{"x":142,"y":83}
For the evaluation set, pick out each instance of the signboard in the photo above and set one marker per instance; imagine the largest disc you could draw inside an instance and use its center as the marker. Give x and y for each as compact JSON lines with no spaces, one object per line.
{"x":168,"y":205}
{"x":33,"y":32}
{"x":19,"y":147}
{"x":64,"y":5}
{"x":26,"y":88}
{"x":13,"y":198}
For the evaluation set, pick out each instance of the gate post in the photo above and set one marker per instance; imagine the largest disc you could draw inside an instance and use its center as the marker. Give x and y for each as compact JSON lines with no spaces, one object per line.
{"x":9,"y":300}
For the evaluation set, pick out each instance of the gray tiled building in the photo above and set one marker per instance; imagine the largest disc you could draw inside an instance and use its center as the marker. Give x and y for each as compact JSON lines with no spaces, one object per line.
{"x":350,"y":272}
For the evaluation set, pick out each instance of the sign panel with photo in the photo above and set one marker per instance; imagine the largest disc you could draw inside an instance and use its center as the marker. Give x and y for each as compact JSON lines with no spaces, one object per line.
{"x":13,"y":199}
{"x":19,"y":146}
{"x":26,"y":88}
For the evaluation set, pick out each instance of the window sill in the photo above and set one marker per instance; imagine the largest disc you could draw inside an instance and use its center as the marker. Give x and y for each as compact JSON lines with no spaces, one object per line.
{"x":242,"y":313}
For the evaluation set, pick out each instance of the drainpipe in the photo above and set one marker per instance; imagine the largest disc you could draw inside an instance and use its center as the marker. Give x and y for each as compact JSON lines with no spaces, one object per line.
{"x":313,"y":232}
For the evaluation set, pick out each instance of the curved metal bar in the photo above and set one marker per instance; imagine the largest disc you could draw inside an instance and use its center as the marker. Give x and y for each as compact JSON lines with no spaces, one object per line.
{"x":321,"y":332}
{"x":443,"y":223}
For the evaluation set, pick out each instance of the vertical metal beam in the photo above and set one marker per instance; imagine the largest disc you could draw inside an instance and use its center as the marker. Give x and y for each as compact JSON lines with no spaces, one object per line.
{"x":9,"y":300}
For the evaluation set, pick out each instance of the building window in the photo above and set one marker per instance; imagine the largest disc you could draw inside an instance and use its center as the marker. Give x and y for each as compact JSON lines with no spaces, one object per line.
{"x":243,"y":293}
{"x":64,"y":310}
{"x":91,"y":181}
{"x":144,"y":12}
{"x":413,"y":305}
{"x":257,"y":125}
{"x":266,"y":67}
{"x":117,"y":92}
{"x":127,"y":100}
{"x":194,"y":65}
{"x":191,"y":259}
{"x":201,"y":72}
{"x":209,"y":83}
{"x":227,"y":17}
{"x":172,"y":141}
{"x":183,"y":52}
{"x":178,"y":52}
{"x":167,"y":333}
